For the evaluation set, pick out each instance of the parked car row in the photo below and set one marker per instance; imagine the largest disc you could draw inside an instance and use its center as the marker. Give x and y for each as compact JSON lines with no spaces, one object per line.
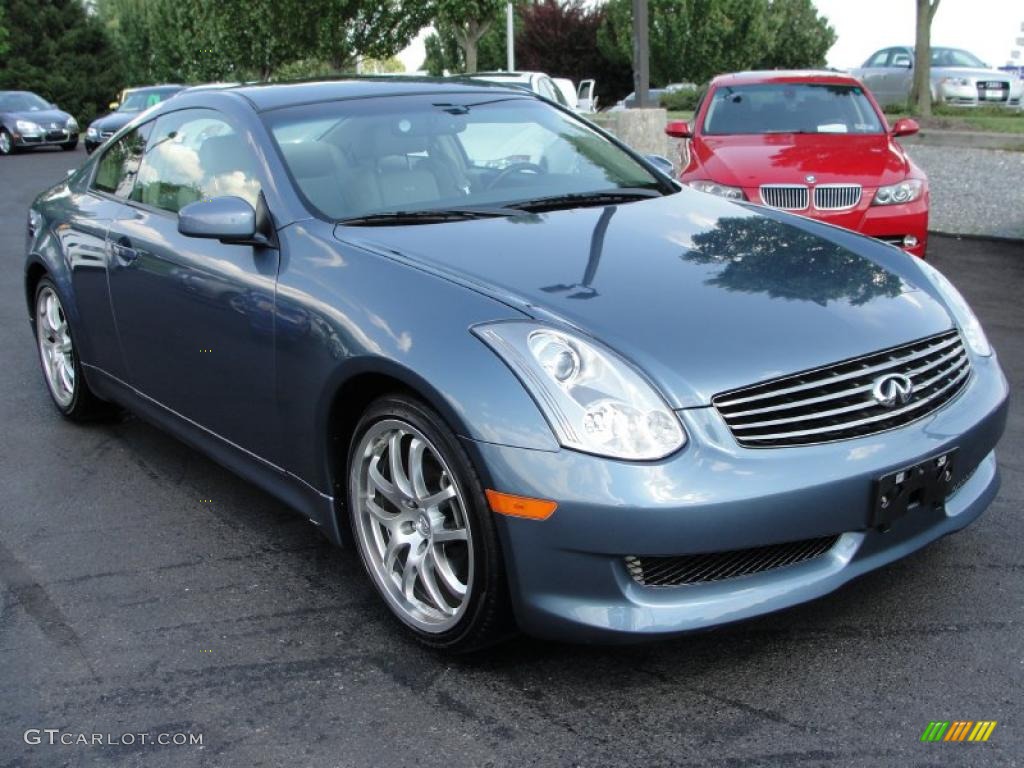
{"x":28,"y":120}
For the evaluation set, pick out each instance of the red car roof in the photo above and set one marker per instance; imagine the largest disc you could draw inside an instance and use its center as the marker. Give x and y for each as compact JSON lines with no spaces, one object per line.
{"x":786,"y":76}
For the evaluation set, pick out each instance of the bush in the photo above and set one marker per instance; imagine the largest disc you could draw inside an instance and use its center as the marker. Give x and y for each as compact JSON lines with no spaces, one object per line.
{"x":304,"y":69}
{"x":683,"y":100}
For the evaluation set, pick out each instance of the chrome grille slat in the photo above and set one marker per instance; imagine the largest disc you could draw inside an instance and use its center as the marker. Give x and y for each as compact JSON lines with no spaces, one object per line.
{"x":836,"y":402}
{"x":786,"y":197}
{"x":891,"y":363}
{"x":682,"y":570}
{"x":836,"y":197}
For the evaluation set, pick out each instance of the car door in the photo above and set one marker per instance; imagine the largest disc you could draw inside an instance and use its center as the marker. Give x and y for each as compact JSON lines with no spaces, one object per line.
{"x":873,"y":74}
{"x":900,"y":75}
{"x":585,"y":98}
{"x":195,"y":316}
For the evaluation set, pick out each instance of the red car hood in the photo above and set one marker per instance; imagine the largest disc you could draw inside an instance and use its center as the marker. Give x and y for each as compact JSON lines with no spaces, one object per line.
{"x":780,"y":158}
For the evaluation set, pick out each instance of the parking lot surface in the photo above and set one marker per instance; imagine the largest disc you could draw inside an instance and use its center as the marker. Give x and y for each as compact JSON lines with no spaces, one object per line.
{"x":144,"y":589}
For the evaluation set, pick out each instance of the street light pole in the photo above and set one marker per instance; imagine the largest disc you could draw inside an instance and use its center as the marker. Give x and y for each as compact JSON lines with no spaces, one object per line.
{"x":510,"y":46}
{"x":641,"y":53}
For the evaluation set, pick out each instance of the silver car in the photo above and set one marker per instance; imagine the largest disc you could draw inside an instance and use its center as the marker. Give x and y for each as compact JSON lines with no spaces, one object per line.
{"x":958,"y":78}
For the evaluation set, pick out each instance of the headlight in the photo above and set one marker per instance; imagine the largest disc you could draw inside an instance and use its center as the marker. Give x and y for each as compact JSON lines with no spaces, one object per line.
{"x":72,"y":125}
{"x":958,"y":81}
{"x":897,"y":194}
{"x":722,"y":190}
{"x":962,"y":312}
{"x":27,"y":126}
{"x":593,"y":399}
{"x":93,"y":132}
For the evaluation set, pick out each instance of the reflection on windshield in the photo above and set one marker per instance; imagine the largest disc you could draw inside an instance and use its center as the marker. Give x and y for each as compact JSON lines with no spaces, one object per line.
{"x":412,"y":153}
{"x":790,"y":108}
{"x":754,"y":254}
{"x":22,"y":102}
{"x":954,"y":57}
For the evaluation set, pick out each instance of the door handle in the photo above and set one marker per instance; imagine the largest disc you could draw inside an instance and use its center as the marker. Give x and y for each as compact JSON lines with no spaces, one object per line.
{"x":124,"y":252}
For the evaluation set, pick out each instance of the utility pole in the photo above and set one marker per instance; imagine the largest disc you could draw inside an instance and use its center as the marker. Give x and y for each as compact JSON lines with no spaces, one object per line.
{"x":641,"y":54}
{"x":510,"y":38}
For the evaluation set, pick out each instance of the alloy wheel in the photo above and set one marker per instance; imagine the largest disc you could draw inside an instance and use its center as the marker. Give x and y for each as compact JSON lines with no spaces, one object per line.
{"x":5,"y":143}
{"x":412,"y":526}
{"x":55,"y":347}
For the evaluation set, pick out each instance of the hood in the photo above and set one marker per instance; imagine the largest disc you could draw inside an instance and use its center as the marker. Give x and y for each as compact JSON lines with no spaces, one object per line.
{"x":779,"y":158}
{"x":702,"y":294}
{"x":114,"y":121}
{"x":45,"y":117}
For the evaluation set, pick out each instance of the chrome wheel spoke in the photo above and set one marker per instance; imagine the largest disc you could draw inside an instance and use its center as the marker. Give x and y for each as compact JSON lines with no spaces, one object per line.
{"x":443,"y":569}
{"x":398,"y":476}
{"x":429,"y":582}
{"x":419,"y":484}
{"x":436,"y":499}
{"x":56,"y":351}
{"x":445,"y":535}
{"x":390,"y":492}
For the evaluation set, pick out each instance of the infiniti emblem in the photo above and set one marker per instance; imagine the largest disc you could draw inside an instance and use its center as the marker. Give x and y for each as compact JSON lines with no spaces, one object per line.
{"x":892,"y":389}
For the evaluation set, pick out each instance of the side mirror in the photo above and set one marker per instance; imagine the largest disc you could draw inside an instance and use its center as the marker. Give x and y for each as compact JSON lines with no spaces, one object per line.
{"x":228,"y":219}
{"x":662,"y":163}
{"x":905,"y":126}
{"x":678,"y":129}
{"x":113,"y":105}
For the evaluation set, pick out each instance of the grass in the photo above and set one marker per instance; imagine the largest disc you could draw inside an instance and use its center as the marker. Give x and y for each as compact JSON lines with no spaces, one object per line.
{"x":988,"y":119}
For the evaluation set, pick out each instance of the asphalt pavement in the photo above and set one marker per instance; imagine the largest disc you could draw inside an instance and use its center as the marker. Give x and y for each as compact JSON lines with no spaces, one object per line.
{"x":146,"y":590}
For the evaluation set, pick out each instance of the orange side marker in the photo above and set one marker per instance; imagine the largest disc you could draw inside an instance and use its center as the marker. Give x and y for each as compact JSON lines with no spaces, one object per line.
{"x":520,"y":506}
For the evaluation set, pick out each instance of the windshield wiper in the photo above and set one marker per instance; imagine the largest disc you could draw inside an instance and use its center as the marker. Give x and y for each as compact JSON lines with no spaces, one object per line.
{"x":427,"y":216}
{"x":584,"y":199}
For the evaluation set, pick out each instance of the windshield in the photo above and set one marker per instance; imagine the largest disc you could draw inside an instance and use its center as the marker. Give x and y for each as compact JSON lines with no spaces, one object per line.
{"x":361,"y":157}
{"x":954,"y":57}
{"x":136,"y":101}
{"x":790,"y":108}
{"x":22,"y":102}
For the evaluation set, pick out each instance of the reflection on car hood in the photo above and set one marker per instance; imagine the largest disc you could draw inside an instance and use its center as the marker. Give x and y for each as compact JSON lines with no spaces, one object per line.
{"x":114,"y":121}
{"x":44,"y":117}
{"x":785,"y":158}
{"x":702,"y":294}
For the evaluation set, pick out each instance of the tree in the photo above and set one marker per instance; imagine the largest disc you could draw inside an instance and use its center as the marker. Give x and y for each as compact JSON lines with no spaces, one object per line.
{"x":3,"y":33}
{"x":444,"y":54}
{"x":921,"y":92}
{"x":468,"y":21}
{"x":55,"y":49}
{"x":800,"y":38}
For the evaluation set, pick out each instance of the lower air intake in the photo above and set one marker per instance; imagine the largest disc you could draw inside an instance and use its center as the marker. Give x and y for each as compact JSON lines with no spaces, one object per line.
{"x":680,"y":570}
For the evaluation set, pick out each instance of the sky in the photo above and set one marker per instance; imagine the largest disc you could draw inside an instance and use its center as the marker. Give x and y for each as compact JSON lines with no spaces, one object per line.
{"x":986,"y":28}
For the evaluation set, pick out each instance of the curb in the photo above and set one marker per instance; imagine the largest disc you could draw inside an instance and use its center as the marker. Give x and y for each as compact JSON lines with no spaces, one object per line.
{"x":1013,"y":142}
{"x":974,"y":236}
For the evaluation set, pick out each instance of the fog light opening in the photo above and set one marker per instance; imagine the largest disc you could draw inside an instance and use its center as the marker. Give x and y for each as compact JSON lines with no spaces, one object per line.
{"x":909,"y":241}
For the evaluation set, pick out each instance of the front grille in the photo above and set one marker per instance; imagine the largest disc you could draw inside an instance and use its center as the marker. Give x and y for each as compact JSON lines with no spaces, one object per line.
{"x":836,"y":197}
{"x":106,"y":134}
{"x":837,"y":402}
{"x":787,"y":197}
{"x":680,"y":570}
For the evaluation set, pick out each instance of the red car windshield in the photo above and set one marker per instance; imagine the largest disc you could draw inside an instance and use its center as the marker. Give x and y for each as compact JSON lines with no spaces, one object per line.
{"x":790,"y":108}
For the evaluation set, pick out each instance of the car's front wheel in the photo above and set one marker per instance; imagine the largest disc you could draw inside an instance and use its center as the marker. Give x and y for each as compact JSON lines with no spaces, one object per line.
{"x":70,"y":146}
{"x":6,"y":142}
{"x":423,"y":529}
{"x":59,"y":358}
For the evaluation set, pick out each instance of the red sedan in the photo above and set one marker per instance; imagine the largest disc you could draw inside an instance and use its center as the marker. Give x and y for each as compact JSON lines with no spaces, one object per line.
{"x":814,"y":143}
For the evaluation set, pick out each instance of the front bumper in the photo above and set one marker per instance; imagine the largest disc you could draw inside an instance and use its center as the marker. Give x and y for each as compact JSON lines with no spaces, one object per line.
{"x":568,"y":575}
{"x":48,"y":139}
{"x":971,"y":95}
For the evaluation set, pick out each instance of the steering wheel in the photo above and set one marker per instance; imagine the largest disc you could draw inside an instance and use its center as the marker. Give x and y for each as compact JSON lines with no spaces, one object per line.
{"x":522,"y":167}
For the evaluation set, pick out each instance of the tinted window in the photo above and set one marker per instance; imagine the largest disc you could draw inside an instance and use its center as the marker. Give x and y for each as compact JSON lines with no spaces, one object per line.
{"x":954,"y":57}
{"x":791,"y":108}
{"x":22,"y":102}
{"x":416,"y":153}
{"x":879,"y":59}
{"x":193,"y":155}
{"x":136,"y":101}
{"x":119,"y":164}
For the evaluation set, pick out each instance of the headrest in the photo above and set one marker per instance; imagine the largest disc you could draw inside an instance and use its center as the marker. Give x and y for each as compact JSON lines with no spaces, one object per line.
{"x":224,"y":154}
{"x":394,"y":143}
{"x":309,"y":159}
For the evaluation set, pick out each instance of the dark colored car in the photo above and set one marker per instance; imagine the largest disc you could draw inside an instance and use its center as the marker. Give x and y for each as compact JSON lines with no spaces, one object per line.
{"x":27,"y":121}
{"x":529,"y":378}
{"x":133,"y":102}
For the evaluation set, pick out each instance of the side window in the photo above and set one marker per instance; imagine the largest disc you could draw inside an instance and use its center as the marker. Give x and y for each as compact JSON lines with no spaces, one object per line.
{"x":900,"y":58}
{"x":119,"y":165}
{"x":879,"y":59}
{"x":195,"y":155}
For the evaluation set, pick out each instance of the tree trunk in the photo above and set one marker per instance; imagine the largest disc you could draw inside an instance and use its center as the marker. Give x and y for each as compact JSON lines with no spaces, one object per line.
{"x":921,"y":93}
{"x":468,"y":39}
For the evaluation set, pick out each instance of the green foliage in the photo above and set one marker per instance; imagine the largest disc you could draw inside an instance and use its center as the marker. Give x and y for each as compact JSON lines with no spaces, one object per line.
{"x":444,"y":54}
{"x":693,"y":40}
{"x":3,"y":33}
{"x":303,"y":69}
{"x":682,"y":100}
{"x":239,"y":40}
{"x":467,"y":21}
{"x":59,"y":52}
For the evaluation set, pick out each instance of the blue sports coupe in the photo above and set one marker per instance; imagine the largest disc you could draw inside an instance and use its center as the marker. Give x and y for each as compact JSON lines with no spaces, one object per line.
{"x":532,"y":380}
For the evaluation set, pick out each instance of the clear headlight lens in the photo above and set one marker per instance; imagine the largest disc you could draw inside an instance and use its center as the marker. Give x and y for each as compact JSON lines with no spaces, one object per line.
{"x":93,"y":132}
{"x":905,"y":192}
{"x":714,"y":188}
{"x":27,"y":126}
{"x":593,"y":399}
{"x":970,"y":327}
{"x":72,"y":125}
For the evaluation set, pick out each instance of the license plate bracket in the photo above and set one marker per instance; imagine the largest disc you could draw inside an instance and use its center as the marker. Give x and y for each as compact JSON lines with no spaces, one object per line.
{"x":926,"y":483}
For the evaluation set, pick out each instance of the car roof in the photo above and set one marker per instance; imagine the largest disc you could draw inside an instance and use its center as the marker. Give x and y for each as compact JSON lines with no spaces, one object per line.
{"x":268,"y":96}
{"x":786,"y":76}
{"x":162,"y":87}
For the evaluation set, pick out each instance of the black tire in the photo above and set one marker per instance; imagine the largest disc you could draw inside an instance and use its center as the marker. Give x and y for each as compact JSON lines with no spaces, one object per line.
{"x":9,"y":143}
{"x":84,"y":405}
{"x":487,"y":616}
{"x":70,"y":146}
